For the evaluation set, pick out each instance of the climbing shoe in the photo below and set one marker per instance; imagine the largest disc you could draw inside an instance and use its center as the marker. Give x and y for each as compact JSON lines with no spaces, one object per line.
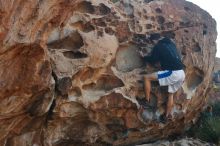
{"x":143,"y":103}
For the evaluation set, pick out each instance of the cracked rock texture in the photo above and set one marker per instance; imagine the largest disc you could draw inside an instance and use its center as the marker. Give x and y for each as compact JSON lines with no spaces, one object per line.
{"x":69,"y":69}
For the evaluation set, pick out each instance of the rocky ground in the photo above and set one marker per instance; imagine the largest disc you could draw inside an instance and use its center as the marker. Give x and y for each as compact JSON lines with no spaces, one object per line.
{"x":181,"y":142}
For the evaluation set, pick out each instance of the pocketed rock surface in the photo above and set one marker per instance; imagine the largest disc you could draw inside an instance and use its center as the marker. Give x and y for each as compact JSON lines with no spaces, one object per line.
{"x":70,"y":71}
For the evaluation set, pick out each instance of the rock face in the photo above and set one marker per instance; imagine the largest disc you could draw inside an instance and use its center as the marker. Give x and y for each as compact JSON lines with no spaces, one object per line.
{"x":69,"y":70}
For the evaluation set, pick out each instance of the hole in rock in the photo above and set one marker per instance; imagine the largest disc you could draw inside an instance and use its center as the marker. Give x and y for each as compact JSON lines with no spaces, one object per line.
{"x":100,"y":33}
{"x":104,"y":10}
{"x":115,"y":127}
{"x":162,"y":27}
{"x":109,"y":31}
{"x":102,"y":24}
{"x":64,"y":85}
{"x":128,"y":58}
{"x":147,"y":1}
{"x":160,"y":19}
{"x":194,"y":78}
{"x":204,"y":32}
{"x":106,"y":83}
{"x":205,"y":26}
{"x":196,"y":48}
{"x":108,"y":19}
{"x":72,"y":42}
{"x":169,"y":24}
{"x":186,"y":31}
{"x":183,"y":50}
{"x":114,"y":23}
{"x":116,"y":121}
{"x":152,"y":18}
{"x":85,"y":7}
{"x":139,"y":28}
{"x":204,"y":29}
{"x":99,"y":22}
{"x":83,"y":27}
{"x":146,"y":17}
{"x":158,"y":10}
{"x":74,"y":55}
{"x":149,"y":26}
{"x":185,"y":24}
{"x":187,"y":9}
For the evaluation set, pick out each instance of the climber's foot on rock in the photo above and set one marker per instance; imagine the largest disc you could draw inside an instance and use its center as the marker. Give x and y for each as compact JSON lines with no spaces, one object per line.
{"x":164,"y":119}
{"x":144,"y":103}
{"x":125,"y":133}
{"x":169,"y":117}
{"x":148,"y":100}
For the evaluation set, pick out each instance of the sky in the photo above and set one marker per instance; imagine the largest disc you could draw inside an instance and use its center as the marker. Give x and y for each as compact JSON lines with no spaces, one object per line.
{"x":213,"y":8}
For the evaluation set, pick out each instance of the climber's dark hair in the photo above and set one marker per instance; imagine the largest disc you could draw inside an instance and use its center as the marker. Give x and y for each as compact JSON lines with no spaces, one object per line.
{"x":154,"y":36}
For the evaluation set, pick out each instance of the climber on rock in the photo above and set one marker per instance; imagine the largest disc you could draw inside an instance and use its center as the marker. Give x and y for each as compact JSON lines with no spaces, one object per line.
{"x":171,"y":74}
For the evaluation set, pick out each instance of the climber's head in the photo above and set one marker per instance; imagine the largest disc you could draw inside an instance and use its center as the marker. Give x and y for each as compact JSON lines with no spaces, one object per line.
{"x":154,"y":38}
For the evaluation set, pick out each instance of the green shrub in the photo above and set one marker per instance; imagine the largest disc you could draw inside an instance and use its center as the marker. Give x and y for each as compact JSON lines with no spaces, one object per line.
{"x":216,"y":109}
{"x":208,"y":126}
{"x":209,"y":130}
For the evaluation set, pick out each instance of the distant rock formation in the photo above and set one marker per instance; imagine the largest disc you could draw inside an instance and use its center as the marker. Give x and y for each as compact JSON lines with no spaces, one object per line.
{"x":69,"y":69}
{"x":216,"y":75}
{"x":217,"y":64}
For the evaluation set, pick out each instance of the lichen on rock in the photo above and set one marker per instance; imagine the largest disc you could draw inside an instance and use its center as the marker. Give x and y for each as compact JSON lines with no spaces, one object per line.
{"x":69,"y":70}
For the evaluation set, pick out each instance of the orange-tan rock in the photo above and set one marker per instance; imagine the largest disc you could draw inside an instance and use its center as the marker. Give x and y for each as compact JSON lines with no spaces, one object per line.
{"x":70,"y":70}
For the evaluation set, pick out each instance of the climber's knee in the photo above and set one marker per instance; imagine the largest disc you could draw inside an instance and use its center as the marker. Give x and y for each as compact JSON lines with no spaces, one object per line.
{"x":151,"y":77}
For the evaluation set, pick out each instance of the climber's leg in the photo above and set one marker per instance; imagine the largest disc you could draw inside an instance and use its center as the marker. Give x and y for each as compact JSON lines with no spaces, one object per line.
{"x":147,"y":84}
{"x":169,"y":104}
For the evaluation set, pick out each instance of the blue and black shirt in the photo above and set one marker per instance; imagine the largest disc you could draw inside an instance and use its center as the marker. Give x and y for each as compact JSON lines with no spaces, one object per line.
{"x":166,"y":54}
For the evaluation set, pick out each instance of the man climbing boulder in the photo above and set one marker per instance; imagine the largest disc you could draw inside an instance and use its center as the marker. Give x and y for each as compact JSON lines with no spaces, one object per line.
{"x":171,"y":73}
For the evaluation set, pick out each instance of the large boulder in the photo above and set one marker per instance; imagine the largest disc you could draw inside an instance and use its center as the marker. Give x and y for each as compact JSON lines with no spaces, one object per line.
{"x":70,"y":69}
